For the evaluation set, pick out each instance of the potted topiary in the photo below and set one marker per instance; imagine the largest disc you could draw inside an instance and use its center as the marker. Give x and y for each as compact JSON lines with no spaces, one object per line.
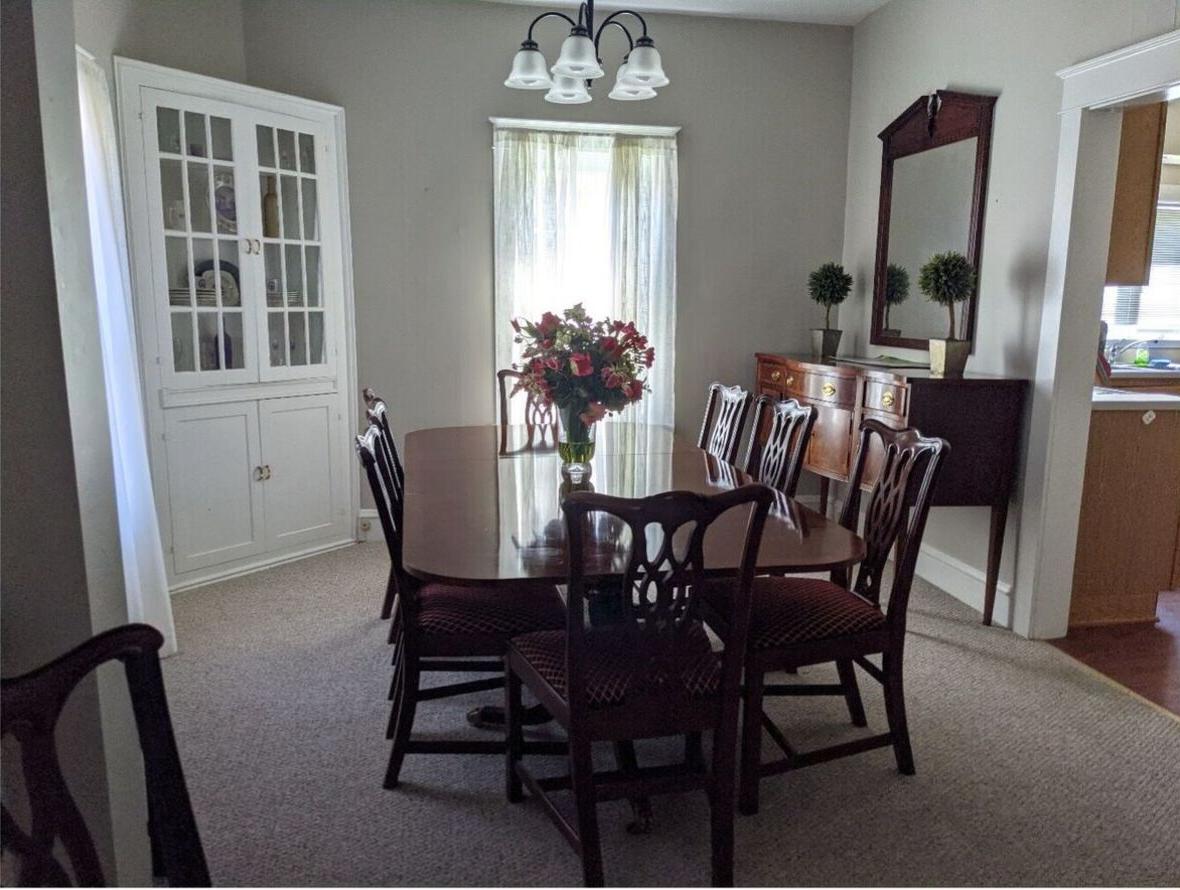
{"x":897,"y":290}
{"x":829,"y":286}
{"x":948,"y":279}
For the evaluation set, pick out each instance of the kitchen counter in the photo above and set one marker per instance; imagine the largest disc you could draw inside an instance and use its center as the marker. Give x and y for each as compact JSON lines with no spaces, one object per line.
{"x":1106,"y":399}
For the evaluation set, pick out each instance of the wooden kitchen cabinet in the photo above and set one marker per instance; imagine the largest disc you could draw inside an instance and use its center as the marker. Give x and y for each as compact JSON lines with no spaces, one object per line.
{"x":1136,"y":192}
{"x":980,"y":416}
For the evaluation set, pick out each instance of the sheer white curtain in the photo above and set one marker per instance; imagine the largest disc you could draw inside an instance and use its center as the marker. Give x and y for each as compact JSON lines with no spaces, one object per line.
{"x":139,"y":533}
{"x":589,"y":218}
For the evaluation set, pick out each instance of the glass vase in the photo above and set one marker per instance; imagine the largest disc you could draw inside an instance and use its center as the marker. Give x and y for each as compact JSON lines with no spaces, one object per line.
{"x":575,"y":444}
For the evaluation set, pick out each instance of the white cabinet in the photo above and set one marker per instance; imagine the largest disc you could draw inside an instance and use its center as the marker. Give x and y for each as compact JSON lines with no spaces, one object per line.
{"x":237,"y":223}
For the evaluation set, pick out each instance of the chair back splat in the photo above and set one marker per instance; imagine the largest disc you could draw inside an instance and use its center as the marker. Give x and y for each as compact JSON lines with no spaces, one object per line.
{"x":31,"y":705}
{"x":378,"y":413}
{"x":540,"y":418}
{"x":777,"y":460}
{"x":725,"y":418}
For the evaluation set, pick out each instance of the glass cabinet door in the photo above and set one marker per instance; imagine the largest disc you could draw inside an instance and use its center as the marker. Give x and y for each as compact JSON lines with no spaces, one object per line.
{"x":196,"y":161}
{"x":289,"y":191}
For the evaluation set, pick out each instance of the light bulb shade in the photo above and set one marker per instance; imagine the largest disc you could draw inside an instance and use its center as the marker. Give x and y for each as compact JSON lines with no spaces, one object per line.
{"x":578,"y":58}
{"x":529,"y":71}
{"x":568,"y":91}
{"x":625,"y":92}
{"x":644,"y":68}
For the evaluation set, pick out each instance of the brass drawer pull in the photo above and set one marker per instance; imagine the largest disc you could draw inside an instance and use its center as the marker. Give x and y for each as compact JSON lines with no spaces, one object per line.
{"x":887,"y":399}
{"x":829,"y":390}
{"x":789,"y":381}
{"x":776,"y":375}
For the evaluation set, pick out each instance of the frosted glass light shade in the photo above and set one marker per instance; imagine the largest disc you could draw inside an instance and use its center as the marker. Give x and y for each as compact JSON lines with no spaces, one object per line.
{"x":578,"y":58}
{"x":624,"y":92}
{"x":568,"y":91}
{"x":529,"y":71}
{"x":644,"y":68}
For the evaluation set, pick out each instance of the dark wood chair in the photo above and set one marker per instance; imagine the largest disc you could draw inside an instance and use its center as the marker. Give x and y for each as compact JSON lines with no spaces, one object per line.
{"x":651,"y":673}
{"x":540,"y":418}
{"x":802,"y":621}
{"x":30,"y":706}
{"x":377,"y":411}
{"x":725,"y":418}
{"x":777,"y":459}
{"x":442,"y":627}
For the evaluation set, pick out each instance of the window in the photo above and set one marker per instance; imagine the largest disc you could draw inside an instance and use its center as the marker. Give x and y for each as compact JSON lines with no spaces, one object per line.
{"x":589,"y":217}
{"x":1151,"y":312}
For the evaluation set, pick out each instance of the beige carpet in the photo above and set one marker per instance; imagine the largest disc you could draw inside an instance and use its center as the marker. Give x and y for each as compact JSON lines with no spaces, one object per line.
{"x":1030,"y":769}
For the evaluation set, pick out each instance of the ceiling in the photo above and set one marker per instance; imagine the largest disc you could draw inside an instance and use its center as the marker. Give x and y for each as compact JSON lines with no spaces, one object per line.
{"x":821,"y":12}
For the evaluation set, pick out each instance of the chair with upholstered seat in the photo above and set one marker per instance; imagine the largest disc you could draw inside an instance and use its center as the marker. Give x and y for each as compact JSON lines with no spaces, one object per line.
{"x":725,"y":418}
{"x":797,"y":622}
{"x":30,"y":706}
{"x":441,"y":627}
{"x":651,"y":673}
{"x":777,"y":459}
{"x":378,"y":413}
{"x":540,"y":418}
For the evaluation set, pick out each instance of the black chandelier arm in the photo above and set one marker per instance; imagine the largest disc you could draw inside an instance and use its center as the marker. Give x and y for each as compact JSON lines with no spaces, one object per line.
{"x":610,"y":19}
{"x":545,"y":15}
{"x":621,"y":27}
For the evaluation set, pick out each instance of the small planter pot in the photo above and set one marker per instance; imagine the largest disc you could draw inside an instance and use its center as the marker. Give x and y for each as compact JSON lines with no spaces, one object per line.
{"x":824,"y":342}
{"x":948,"y":358}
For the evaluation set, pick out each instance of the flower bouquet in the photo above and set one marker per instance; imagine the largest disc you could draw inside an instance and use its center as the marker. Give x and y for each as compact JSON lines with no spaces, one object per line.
{"x":586,"y":368}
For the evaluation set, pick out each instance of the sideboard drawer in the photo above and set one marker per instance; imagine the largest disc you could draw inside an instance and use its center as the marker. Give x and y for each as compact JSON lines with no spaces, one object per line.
{"x":780,"y":377}
{"x":890,"y":398}
{"x":831,"y":389}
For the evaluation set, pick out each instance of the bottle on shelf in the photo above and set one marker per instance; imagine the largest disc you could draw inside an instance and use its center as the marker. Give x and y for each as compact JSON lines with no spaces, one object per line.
{"x":270,"y":210}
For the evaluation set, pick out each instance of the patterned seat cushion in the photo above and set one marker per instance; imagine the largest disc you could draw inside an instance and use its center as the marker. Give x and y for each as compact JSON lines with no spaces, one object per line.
{"x":488,"y":616}
{"x":616,"y":667}
{"x":800,"y":610}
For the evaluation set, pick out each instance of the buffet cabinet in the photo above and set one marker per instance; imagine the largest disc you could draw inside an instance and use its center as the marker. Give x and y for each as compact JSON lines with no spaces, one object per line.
{"x":980,"y":416}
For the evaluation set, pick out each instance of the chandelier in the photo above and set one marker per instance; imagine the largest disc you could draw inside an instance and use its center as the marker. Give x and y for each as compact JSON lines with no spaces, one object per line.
{"x":579,"y":64}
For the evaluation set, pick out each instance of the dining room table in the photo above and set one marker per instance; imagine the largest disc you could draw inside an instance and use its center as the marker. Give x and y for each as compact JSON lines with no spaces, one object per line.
{"x":483,"y":507}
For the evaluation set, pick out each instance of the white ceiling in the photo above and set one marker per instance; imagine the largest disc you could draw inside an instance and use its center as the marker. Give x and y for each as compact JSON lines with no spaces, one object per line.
{"x":821,"y":12}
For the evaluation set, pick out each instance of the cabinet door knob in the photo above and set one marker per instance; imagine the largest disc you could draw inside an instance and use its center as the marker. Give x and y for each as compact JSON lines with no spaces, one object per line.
{"x":776,"y":375}
{"x":887,"y":399}
{"x":829,"y":390}
{"x":266,"y":470}
{"x":259,"y":474}
{"x":789,"y":381}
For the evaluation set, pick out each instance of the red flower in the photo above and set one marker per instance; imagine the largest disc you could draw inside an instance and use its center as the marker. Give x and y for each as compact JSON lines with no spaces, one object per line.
{"x":548,"y":324}
{"x":649,"y":356}
{"x":611,"y":379}
{"x":594,"y":412}
{"x":633,"y":390}
{"x":610,"y":347}
{"x":551,"y":363}
{"x":581,"y":365}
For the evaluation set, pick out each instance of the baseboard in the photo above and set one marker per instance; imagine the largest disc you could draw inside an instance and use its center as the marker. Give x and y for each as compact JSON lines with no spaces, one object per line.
{"x":213,"y":575}
{"x":961,"y":580}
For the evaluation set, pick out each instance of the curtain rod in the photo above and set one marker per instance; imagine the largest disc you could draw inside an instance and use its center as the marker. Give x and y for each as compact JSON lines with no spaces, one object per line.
{"x":514,"y":123}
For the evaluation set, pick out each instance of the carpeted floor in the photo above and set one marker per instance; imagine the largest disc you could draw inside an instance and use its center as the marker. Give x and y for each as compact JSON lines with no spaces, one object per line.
{"x":1031,"y":770}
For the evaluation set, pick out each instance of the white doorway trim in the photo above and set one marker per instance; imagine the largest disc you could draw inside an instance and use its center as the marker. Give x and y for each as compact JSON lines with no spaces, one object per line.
{"x":1093,"y":94}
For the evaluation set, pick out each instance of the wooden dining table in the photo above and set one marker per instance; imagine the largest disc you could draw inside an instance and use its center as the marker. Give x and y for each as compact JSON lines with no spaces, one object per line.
{"x":478,"y":514}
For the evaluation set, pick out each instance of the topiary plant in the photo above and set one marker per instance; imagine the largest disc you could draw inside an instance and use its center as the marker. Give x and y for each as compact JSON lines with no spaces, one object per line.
{"x":829,"y":286}
{"x":948,"y":278}
{"x":897,"y":288}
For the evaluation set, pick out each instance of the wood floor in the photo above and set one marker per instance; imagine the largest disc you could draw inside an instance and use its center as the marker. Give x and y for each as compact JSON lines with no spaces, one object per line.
{"x":1145,"y":658}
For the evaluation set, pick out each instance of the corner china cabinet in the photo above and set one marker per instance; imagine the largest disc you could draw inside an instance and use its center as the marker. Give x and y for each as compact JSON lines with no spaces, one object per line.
{"x":238,"y":241}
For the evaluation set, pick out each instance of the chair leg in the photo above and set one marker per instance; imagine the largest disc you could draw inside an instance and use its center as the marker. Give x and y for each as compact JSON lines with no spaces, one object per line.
{"x":405,"y":704}
{"x":390,"y":594}
{"x":895,"y":710}
{"x":856,"y":709}
{"x":640,"y":806}
{"x":515,"y":735}
{"x":721,"y":828}
{"x":582,"y":773}
{"x":751,"y":742}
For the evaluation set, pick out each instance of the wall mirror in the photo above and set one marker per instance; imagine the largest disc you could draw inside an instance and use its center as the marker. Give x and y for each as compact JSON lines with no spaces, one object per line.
{"x":934,"y":167}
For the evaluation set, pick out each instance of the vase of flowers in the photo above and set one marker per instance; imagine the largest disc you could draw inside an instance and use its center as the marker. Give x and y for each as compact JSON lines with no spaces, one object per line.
{"x":587,"y":369}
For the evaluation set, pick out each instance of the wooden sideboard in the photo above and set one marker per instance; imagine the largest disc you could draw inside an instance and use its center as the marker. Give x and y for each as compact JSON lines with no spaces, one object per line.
{"x":980,"y":416}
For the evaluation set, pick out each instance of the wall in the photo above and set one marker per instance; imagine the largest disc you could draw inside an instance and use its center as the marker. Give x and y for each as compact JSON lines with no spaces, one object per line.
{"x":764,"y":109}
{"x":204,"y":36}
{"x":911,"y":47}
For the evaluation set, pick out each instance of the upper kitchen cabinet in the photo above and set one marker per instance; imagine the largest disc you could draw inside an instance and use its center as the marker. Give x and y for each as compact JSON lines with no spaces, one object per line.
{"x":1132,"y":228}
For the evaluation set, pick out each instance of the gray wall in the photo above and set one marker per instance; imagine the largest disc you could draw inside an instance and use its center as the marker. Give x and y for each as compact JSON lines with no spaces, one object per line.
{"x":909,"y":48}
{"x":764,"y":109}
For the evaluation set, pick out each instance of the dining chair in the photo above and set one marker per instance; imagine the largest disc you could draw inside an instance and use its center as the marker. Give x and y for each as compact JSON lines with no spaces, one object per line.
{"x":777,"y":459}
{"x":444,"y":627}
{"x":650,"y":673}
{"x":539,"y":417}
{"x":798,"y":622}
{"x":30,"y":706}
{"x":377,"y":411}
{"x":725,"y":417}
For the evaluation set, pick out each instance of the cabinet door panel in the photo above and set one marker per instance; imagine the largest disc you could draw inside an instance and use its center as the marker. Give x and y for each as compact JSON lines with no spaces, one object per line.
{"x":213,"y":451}
{"x":307,"y":487}
{"x":831,"y":441}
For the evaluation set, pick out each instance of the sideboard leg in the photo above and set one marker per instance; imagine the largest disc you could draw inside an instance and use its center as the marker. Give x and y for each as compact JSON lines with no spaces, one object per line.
{"x":995,"y":548}
{"x":824,"y":484}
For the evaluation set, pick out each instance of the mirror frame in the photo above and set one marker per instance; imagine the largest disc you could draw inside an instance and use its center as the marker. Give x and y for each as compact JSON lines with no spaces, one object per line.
{"x":941,"y":118}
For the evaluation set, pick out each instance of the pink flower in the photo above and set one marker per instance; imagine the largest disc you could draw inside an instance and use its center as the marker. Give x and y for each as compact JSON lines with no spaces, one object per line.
{"x":594,"y":412}
{"x":581,"y":365}
{"x":548,"y":324}
{"x":649,"y":356}
{"x":633,"y":389}
{"x":610,"y":378}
